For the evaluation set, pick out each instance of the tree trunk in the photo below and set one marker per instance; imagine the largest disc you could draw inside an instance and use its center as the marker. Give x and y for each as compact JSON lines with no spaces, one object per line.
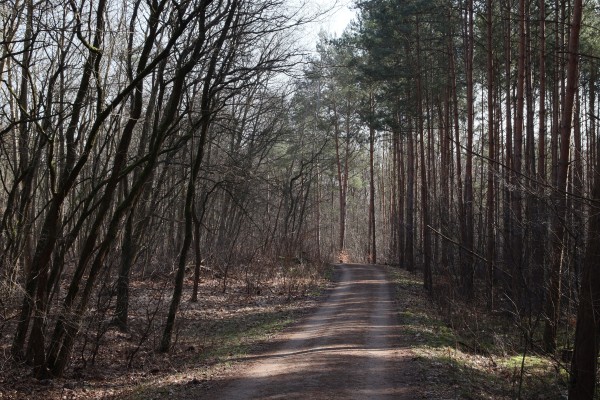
{"x":409,"y":257}
{"x":516,"y":200}
{"x":457,"y":146}
{"x":468,"y":266}
{"x":584,"y":365}
{"x":427,"y":274}
{"x":206,"y":103}
{"x":539,"y":213}
{"x":490,"y":223}
{"x":373,"y":233}
{"x":128,"y":253}
{"x":50,"y":227}
{"x":508,"y":160}
{"x":554,"y":290}
{"x":342,"y":180}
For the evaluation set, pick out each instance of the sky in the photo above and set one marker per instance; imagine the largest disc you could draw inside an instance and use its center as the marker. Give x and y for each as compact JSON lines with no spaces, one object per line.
{"x":338,"y":18}
{"x":334,"y":16}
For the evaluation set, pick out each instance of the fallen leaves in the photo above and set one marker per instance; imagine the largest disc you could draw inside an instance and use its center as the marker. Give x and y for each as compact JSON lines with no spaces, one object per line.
{"x":210,"y":333}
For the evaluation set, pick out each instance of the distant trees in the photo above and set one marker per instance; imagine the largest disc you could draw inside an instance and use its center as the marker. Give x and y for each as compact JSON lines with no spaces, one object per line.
{"x":486,"y":114}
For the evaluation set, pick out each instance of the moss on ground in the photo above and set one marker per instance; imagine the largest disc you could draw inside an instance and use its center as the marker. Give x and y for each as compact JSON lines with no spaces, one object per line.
{"x":464,"y":353}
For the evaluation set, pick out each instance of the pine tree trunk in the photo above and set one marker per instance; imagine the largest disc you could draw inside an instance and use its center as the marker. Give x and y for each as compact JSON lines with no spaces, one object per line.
{"x":508,"y":160}
{"x":584,"y":364}
{"x":539,"y":215}
{"x":427,"y":275}
{"x":468,"y":242}
{"x":410,"y":206}
{"x":554,"y":290}
{"x":341,"y":177}
{"x":457,"y":146}
{"x":490,"y":223}
{"x":373,"y":233}
{"x":516,"y":200}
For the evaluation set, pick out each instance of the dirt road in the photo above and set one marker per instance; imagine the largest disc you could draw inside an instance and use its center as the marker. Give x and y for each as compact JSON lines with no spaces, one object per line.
{"x":350,"y":348}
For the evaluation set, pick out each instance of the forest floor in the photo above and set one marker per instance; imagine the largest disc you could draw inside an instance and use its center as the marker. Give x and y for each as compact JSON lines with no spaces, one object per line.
{"x":465,"y":352}
{"x":371,"y":332}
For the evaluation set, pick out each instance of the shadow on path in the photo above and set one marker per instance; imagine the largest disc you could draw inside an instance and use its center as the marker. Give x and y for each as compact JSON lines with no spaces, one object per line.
{"x":350,"y":348}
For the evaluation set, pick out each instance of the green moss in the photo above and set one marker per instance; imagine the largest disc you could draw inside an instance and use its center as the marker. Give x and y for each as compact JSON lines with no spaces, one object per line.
{"x":464,"y":352}
{"x":403,"y":280}
{"x":530,"y":362}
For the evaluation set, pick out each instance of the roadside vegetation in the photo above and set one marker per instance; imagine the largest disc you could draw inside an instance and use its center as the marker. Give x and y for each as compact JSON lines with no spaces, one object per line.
{"x":470,"y":353}
{"x":212,"y":336}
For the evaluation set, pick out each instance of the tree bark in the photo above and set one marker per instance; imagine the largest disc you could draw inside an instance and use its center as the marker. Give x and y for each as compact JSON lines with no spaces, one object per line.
{"x":584,"y":364}
{"x":552,"y":307}
{"x":427,"y":273}
{"x":490,"y":223}
{"x":211,"y":78}
{"x":516,"y":199}
{"x":468,"y":242}
{"x":373,"y":233}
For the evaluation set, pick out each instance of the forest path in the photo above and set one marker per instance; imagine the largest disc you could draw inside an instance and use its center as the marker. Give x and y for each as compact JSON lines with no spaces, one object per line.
{"x":350,"y":348}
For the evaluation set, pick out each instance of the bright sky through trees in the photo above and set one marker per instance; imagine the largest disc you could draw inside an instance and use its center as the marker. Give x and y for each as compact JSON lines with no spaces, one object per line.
{"x":339,"y":17}
{"x":335,"y":15}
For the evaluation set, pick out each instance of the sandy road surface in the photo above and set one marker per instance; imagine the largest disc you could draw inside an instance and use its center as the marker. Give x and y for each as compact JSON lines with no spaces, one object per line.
{"x":350,"y":348}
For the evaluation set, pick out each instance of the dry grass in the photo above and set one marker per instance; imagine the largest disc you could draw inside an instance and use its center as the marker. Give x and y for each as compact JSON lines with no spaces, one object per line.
{"x":466,"y":353}
{"x":210,"y":335}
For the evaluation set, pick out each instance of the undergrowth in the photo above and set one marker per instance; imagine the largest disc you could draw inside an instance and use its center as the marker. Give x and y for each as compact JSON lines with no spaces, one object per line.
{"x":465,"y":352}
{"x":212,"y":335}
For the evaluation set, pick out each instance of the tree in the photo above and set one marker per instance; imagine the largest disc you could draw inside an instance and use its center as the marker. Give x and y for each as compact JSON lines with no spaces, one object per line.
{"x":211,"y":82}
{"x":553,"y":296}
{"x":120,"y":91}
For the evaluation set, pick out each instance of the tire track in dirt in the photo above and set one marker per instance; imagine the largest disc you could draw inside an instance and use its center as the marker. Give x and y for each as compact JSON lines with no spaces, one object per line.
{"x":350,"y":348}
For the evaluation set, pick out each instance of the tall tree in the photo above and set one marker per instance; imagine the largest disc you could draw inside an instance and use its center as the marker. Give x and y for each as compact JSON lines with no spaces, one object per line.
{"x":552,"y":306}
{"x":490,"y":197}
{"x":468,"y":240}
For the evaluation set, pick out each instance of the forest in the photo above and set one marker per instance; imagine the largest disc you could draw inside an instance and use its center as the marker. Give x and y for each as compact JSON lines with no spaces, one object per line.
{"x":162,"y":144}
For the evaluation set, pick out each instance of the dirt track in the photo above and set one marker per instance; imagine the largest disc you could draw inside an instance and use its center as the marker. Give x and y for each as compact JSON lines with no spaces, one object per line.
{"x":350,"y":348}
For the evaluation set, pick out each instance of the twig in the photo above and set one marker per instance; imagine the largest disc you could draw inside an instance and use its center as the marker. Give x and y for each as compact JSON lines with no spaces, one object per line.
{"x":468,"y":250}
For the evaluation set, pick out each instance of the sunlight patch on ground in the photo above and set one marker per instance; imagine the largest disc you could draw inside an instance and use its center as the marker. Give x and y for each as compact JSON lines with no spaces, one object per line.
{"x":457,"y":368}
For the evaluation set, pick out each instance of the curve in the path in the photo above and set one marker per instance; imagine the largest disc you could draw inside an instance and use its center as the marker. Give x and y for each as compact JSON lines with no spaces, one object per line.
{"x":350,"y":348}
